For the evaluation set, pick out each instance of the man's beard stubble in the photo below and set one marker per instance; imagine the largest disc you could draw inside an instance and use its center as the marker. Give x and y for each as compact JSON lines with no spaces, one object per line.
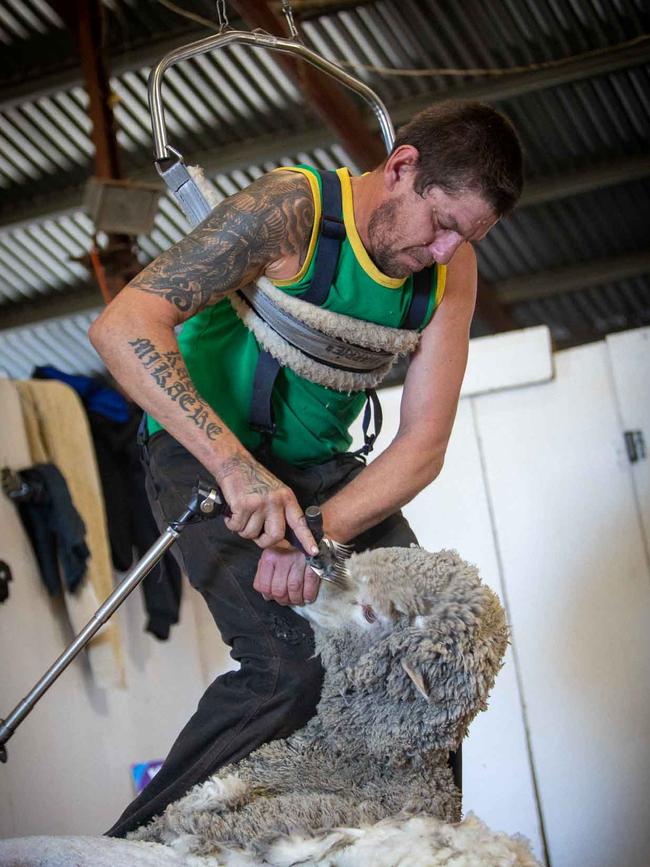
{"x":382,"y":227}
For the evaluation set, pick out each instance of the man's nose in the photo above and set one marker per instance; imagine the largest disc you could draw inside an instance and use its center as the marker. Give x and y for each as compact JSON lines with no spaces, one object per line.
{"x":444,"y":246}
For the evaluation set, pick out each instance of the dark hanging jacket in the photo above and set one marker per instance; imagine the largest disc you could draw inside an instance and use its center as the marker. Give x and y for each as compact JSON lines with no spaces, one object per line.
{"x":55,"y":528}
{"x":131,"y":525}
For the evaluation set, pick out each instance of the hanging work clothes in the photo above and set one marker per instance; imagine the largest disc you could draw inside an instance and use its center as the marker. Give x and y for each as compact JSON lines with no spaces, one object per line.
{"x":54,"y":527}
{"x":131,"y":525}
{"x":5,"y":578}
{"x":96,"y":396}
{"x":57,"y":431}
{"x":312,"y":420}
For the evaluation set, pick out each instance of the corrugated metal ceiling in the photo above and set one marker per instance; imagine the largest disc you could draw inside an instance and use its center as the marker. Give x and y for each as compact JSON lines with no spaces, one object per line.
{"x":231,"y":99}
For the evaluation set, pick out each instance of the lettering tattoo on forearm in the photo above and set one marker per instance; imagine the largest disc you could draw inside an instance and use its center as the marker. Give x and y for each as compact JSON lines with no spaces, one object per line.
{"x":259,"y":480}
{"x":271,"y":218}
{"x":169,"y":372}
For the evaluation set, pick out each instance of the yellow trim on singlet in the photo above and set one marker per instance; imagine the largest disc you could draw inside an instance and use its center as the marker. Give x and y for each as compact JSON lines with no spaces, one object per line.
{"x":355,"y":241}
{"x":441,"y":271}
{"x":315,"y":193}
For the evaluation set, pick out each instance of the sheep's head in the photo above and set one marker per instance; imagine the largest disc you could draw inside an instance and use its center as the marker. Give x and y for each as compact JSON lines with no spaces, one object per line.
{"x":411,"y":650}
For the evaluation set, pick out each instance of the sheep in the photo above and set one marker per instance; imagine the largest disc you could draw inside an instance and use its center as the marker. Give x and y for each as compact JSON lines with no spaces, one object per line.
{"x":411,"y":648}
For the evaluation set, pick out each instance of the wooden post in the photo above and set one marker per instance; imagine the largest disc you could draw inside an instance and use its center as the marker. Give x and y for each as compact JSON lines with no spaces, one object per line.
{"x":116,"y":264}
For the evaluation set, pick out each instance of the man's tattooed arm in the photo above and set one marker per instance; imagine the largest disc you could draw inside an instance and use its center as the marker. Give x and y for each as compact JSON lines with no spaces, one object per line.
{"x":258,"y":479}
{"x":270,"y":219}
{"x":266,"y":227}
{"x":169,"y":373}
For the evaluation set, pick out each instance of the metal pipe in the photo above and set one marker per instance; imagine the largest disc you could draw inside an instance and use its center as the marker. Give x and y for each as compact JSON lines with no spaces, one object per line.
{"x":103,"y":613}
{"x":259,"y":40}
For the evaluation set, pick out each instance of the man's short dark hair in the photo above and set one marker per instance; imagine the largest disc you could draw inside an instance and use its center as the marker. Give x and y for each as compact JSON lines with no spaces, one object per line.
{"x":466,"y":146}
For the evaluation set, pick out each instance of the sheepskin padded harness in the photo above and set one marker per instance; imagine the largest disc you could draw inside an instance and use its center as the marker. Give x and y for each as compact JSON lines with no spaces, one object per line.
{"x":262,"y":307}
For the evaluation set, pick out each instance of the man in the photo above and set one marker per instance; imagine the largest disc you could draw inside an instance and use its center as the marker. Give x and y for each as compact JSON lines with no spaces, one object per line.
{"x":454,"y":171}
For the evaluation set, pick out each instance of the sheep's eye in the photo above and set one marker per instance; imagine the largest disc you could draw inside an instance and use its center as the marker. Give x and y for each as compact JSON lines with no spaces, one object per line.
{"x":369,"y":614}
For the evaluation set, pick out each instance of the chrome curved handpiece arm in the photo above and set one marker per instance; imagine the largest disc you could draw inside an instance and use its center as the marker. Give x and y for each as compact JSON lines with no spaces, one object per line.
{"x":258,"y":39}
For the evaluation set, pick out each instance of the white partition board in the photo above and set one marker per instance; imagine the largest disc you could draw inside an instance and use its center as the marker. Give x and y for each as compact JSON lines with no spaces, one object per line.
{"x":577,"y":582}
{"x":629,"y":354}
{"x":453,"y":513}
{"x":508,"y":360}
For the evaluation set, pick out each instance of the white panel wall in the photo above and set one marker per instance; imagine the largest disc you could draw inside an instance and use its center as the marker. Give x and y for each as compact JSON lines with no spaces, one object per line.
{"x":538,"y":491}
{"x":577,"y":581}
{"x":629,"y":357}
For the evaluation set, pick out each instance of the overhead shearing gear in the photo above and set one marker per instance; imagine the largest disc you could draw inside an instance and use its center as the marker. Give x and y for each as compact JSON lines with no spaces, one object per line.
{"x":170,"y":163}
{"x":183,"y":186}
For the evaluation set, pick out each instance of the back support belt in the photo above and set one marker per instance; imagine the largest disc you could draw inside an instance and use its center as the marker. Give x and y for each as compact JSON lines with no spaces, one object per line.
{"x":322,"y":347}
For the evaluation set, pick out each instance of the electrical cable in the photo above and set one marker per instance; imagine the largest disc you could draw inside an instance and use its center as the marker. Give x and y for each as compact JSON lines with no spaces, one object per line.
{"x":442,"y":71}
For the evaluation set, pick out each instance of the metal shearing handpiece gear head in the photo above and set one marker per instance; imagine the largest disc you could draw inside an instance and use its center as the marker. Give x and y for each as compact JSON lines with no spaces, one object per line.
{"x":329,"y":563}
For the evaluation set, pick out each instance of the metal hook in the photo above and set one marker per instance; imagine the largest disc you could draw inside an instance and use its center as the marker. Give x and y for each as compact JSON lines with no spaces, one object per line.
{"x":222,"y":15}
{"x":287,"y":11}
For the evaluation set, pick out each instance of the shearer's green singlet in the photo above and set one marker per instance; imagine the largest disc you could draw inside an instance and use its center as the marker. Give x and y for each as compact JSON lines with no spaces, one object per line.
{"x":312,"y":421}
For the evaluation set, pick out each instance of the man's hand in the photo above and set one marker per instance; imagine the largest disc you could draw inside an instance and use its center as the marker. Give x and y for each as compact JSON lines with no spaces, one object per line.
{"x":261,"y":504}
{"x":283,"y":575}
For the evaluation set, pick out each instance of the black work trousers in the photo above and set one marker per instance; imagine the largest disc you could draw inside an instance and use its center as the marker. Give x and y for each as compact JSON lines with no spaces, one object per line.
{"x":277,"y":687}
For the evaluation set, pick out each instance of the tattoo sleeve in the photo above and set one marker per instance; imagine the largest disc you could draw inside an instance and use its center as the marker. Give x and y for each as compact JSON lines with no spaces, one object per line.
{"x":273,"y":217}
{"x":170,"y":374}
{"x":258,"y":479}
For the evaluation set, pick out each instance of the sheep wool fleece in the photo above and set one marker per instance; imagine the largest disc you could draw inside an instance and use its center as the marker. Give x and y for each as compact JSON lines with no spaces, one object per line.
{"x":398,"y":694}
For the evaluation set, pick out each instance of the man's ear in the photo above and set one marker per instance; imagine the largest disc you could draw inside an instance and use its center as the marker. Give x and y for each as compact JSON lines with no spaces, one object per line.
{"x":401,"y":164}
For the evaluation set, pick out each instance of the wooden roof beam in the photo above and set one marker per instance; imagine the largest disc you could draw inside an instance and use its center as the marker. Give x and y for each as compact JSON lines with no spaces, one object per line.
{"x":572,"y":278}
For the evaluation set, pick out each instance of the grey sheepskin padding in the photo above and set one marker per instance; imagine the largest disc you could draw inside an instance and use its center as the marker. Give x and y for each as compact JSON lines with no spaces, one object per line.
{"x":357,"y":332}
{"x":85,"y":852}
{"x":416,"y":841}
{"x":398,"y":694}
{"x":369,"y":335}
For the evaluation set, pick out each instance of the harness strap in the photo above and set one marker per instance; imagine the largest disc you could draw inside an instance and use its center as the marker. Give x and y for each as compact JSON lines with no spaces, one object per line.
{"x":372,"y":410}
{"x":416,"y":314}
{"x":314,"y":343}
{"x":184,"y":189}
{"x":261,"y":413}
{"x":332,"y":234}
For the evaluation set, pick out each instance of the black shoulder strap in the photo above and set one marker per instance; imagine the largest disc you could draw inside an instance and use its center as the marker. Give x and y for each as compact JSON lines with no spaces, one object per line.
{"x":417,"y":311}
{"x":261,"y":412}
{"x":371,"y":410}
{"x":332,"y":234}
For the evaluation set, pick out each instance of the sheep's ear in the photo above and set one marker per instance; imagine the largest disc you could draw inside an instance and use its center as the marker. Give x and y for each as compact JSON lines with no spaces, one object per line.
{"x":417,"y":679}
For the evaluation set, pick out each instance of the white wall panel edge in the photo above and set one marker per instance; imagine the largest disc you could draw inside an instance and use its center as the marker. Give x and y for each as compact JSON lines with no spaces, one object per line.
{"x":508,"y":360}
{"x":518,"y":686}
{"x":576,"y":579}
{"x":629,"y":361}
